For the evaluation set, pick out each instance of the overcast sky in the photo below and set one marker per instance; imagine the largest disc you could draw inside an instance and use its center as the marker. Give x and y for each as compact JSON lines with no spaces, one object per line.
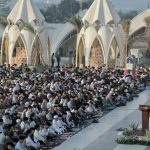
{"x":130,"y":4}
{"x":119,"y":4}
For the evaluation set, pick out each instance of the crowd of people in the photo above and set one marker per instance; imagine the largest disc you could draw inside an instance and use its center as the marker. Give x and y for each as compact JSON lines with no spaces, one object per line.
{"x":35,"y":107}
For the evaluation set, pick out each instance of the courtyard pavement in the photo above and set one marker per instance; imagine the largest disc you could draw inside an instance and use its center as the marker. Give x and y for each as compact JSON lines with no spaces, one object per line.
{"x":102,"y":135}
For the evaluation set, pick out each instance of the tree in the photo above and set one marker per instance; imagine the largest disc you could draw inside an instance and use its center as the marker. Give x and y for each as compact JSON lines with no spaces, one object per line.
{"x":4,"y":3}
{"x":3,"y":21}
{"x":51,"y":14}
{"x":67,"y":8}
{"x":147,"y":22}
{"x":64,"y":10}
{"x":126,"y":27}
{"x":86,"y":4}
{"x":77,"y":22}
{"x":127,"y":15}
{"x":4,"y":6}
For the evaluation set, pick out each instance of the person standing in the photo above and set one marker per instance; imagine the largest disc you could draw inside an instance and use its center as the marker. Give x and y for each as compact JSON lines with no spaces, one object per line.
{"x":58,"y":60}
{"x":53,"y":60}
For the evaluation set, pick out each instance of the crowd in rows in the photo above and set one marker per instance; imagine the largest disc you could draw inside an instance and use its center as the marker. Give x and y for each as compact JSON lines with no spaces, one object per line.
{"x":35,"y":107}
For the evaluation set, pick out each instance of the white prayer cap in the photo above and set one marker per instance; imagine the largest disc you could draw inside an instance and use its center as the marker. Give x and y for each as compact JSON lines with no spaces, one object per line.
{"x":27,"y":104}
{"x":18,"y":120}
{"x":56,"y":116}
{"x":7,"y":111}
{"x":72,"y":110}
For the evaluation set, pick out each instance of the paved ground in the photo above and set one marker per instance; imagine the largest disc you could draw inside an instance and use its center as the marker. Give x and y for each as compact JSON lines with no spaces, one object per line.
{"x":102,"y":136}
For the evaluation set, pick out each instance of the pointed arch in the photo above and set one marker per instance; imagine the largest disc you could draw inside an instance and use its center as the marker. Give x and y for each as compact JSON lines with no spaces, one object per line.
{"x":80,"y":53}
{"x":112,"y":52}
{"x":103,"y":49}
{"x":19,"y":53}
{"x":4,"y":51}
{"x":36,"y":53}
{"x":96,"y":54}
{"x":49,"y":51}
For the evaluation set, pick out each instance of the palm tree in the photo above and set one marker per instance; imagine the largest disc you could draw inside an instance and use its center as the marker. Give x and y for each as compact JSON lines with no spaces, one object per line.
{"x":147,"y":22}
{"x":76,"y":21}
{"x":3,"y":21}
{"x":126,"y":26}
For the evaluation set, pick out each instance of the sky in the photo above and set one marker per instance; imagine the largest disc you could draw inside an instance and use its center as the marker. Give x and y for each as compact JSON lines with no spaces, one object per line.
{"x":119,"y":4}
{"x":130,"y":4}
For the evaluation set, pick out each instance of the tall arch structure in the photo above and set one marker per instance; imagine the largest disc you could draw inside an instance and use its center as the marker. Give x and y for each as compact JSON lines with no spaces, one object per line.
{"x":80,"y":53}
{"x":112,"y":53}
{"x":26,"y":11}
{"x":101,"y":26}
{"x":36,"y":54}
{"x":49,"y":50}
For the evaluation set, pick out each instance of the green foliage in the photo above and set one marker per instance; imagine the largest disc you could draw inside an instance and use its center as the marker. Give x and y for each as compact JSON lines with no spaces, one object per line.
{"x":26,"y":26}
{"x":127,"y":132}
{"x":128,"y":15}
{"x":4,"y":7}
{"x":64,"y":10}
{"x":51,"y":14}
{"x":127,"y":140}
{"x":67,"y":8}
{"x":128,"y":136}
{"x":133,"y":140}
{"x":126,"y":25}
{"x":87,"y":4}
{"x":147,"y":134}
{"x":76,"y":21}
{"x":3,"y":21}
{"x":134,"y":126}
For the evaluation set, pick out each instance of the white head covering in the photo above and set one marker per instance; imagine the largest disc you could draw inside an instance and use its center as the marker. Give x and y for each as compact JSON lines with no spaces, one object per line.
{"x":56,"y":116}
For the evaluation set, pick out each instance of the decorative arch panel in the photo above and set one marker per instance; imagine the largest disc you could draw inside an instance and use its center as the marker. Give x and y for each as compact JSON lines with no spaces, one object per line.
{"x":19,"y":53}
{"x":36,"y":54}
{"x":111,"y":58}
{"x":96,"y":54}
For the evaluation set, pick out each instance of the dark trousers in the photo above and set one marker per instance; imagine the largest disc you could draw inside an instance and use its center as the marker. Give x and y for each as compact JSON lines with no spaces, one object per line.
{"x":52,"y":63}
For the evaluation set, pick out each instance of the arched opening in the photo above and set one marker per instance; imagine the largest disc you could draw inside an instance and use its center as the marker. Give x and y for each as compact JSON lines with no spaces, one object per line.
{"x":4,"y":51}
{"x":138,"y":44}
{"x":80,"y":53}
{"x":111,"y":60}
{"x":37,"y":51}
{"x":19,"y":54}
{"x":67,"y":47}
{"x":96,"y":54}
